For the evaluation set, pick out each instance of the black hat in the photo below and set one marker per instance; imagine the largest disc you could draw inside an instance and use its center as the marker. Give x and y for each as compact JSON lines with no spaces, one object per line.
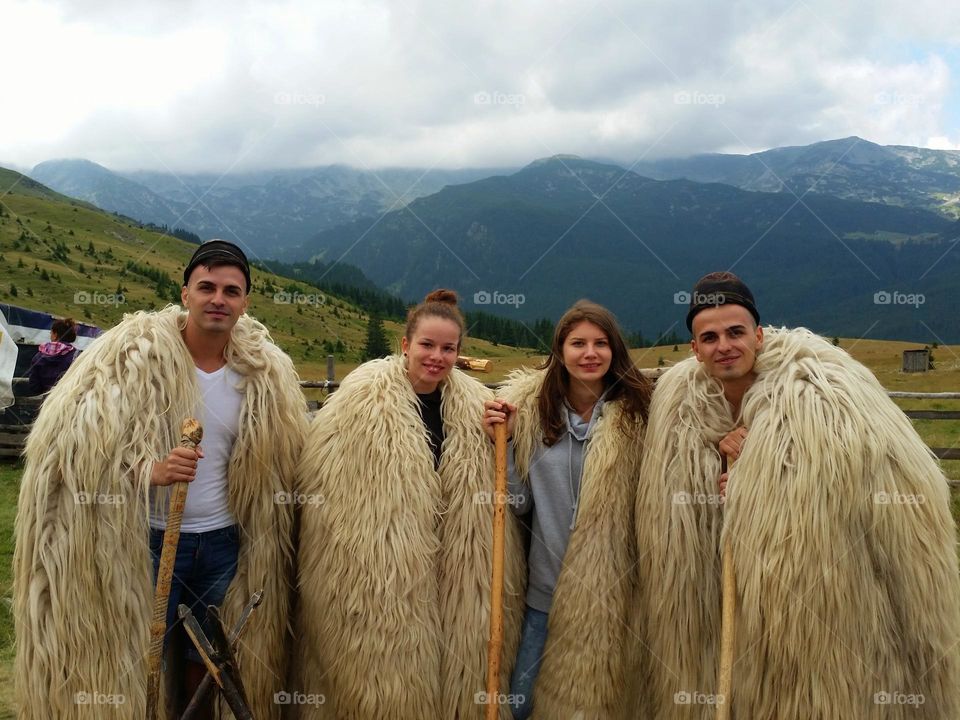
{"x":218,"y":252}
{"x":720,"y":288}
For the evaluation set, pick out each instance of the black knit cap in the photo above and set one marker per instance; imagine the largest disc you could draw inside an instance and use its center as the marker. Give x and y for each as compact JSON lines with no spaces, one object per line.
{"x":215,"y":253}
{"x":720,"y":288}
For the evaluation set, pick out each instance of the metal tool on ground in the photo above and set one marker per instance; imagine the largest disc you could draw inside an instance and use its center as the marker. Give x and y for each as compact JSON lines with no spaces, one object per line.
{"x":206,"y":685}
{"x":496,"y":585}
{"x":219,"y":659}
{"x":727,"y":629}
{"x":191,"y":433}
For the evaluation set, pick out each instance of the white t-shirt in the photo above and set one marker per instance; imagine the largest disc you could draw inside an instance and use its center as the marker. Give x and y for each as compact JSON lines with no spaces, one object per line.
{"x":207,"y":507}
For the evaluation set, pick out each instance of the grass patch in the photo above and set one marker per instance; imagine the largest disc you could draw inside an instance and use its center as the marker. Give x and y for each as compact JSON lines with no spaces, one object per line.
{"x":9,"y":489}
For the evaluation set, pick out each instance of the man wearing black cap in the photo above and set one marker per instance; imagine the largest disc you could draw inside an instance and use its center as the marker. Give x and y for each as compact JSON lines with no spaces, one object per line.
{"x":838,"y":519}
{"x":216,"y":283}
{"x":728,"y":335}
{"x":105,"y":441}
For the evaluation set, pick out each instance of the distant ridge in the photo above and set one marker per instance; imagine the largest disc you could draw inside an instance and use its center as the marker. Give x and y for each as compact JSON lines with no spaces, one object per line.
{"x":267,"y":211}
{"x":850,"y":168}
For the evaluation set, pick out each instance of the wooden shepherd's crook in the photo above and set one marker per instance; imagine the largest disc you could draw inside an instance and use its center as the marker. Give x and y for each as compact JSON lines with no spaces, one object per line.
{"x":726,"y":624}
{"x":496,"y":586}
{"x":190,"y":435}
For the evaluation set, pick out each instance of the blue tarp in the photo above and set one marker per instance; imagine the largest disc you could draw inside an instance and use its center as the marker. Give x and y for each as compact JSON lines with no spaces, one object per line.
{"x":30,"y":328}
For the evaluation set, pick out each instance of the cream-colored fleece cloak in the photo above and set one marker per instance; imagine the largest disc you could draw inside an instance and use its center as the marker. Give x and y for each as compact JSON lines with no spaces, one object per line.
{"x":848,"y":599}
{"x":395,"y":557}
{"x":83,"y":580}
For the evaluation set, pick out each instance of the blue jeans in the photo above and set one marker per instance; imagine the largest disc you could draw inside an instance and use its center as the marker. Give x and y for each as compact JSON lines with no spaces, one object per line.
{"x":205,"y":564}
{"x":533,"y":638}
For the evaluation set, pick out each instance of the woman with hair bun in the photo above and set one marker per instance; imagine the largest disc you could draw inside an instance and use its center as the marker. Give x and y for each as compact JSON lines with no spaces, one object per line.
{"x":576,"y":428}
{"x":53,"y":358}
{"x":395,"y":563}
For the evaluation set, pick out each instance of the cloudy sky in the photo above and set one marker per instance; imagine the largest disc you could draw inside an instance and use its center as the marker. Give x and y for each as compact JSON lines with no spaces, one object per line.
{"x":234,"y":85}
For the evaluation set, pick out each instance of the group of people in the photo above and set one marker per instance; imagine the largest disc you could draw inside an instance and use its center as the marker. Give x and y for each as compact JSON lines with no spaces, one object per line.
{"x":369,"y":527}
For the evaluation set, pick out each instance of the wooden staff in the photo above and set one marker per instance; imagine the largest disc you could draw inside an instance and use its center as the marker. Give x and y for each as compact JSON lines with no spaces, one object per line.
{"x":496,"y":586}
{"x":190,"y":435}
{"x":726,"y":624}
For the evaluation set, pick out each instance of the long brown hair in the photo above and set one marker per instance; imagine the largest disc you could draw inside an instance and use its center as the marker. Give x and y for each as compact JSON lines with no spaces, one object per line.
{"x":622,"y":382}
{"x":440,"y":303}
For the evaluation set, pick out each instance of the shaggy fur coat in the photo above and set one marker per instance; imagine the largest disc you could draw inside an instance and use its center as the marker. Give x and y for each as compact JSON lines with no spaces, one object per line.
{"x":848,"y":599}
{"x":395,"y":556}
{"x":83,"y":577}
{"x":584,"y":669}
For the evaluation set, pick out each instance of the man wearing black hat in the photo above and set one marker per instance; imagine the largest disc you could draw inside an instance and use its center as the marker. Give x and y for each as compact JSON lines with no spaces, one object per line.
{"x":728,"y":335}
{"x":105,"y":441}
{"x":216,"y":283}
{"x":838,"y":519}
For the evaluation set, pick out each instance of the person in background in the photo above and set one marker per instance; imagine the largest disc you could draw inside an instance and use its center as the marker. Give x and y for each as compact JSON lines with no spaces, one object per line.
{"x":53,"y":358}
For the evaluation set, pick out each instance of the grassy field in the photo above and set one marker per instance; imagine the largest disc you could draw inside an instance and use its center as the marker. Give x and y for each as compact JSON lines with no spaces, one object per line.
{"x":881,"y":356}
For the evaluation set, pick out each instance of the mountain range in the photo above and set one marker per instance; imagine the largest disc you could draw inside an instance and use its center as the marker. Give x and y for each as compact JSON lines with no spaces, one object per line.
{"x":563,"y":228}
{"x":847,"y":237}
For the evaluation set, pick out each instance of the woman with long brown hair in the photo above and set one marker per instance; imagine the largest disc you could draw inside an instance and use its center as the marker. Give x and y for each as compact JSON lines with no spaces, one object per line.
{"x":576,"y":426}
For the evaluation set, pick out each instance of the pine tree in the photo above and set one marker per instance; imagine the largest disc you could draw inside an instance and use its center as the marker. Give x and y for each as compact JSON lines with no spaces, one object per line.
{"x":377,"y":345}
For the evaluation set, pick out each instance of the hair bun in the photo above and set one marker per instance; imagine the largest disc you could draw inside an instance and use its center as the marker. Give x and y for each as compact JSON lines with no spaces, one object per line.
{"x":442,"y":295}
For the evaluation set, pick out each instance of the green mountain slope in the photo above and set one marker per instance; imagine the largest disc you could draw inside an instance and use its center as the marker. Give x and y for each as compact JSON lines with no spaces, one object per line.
{"x":12,"y":182}
{"x":66,"y":258}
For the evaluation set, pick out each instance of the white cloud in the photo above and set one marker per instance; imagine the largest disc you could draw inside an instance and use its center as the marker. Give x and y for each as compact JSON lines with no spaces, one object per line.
{"x":942,"y":143}
{"x":214,"y":85}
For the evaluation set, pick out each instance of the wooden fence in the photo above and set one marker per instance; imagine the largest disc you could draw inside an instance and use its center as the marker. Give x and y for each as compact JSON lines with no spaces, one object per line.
{"x":16,"y":421}
{"x":950,"y":453}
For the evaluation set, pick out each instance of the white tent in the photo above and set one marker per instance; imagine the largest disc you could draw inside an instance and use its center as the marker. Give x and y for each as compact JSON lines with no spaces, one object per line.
{"x":8,"y":362}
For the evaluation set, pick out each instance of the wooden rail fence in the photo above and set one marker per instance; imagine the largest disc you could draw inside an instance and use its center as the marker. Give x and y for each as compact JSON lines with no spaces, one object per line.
{"x":16,"y":421}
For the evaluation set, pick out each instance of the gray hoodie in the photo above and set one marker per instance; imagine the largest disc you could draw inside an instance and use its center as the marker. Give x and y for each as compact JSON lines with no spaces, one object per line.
{"x":554,"y":493}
